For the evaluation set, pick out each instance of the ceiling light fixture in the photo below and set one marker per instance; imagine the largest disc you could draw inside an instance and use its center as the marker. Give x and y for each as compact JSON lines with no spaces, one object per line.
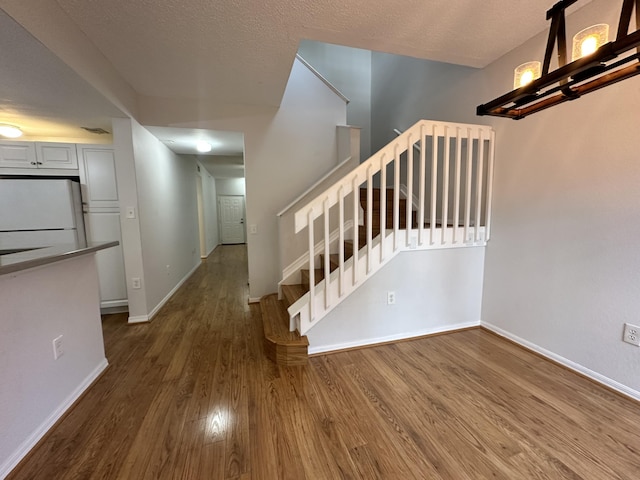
{"x":595,"y":64}
{"x":203,"y":147}
{"x":10,"y":131}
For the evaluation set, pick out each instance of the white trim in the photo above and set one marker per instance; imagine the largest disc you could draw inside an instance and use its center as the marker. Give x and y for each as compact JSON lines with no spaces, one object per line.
{"x":312,"y":187}
{"x":391,"y":338}
{"x":254,"y":299}
{"x":114,"y":303}
{"x":138,"y":319}
{"x":324,"y":80}
{"x":576,"y":367}
{"x":303,"y":260}
{"x":50,"y":421}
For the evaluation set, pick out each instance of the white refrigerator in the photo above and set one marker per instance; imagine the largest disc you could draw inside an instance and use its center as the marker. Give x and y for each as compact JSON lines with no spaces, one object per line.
{"x":37,"y":213}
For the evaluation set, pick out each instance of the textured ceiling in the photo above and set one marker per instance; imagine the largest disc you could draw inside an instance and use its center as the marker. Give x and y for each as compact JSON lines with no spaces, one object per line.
{"x":241,"y":51}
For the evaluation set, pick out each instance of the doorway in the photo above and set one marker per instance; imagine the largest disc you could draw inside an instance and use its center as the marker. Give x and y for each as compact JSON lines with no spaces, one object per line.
{"x":232,"y":227}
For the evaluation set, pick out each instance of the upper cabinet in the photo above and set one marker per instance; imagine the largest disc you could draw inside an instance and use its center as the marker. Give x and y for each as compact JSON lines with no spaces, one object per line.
{"x":38,"y":155}
{"x":18,"y":155}
{"x":98,"y":176}
{"x":56,"y":155}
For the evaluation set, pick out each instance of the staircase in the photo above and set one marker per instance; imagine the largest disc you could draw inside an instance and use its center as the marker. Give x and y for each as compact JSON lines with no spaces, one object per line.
{"x":451,"y":208}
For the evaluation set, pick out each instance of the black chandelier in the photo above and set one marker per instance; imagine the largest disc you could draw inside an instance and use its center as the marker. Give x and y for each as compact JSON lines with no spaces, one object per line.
{"x":595,"y":63}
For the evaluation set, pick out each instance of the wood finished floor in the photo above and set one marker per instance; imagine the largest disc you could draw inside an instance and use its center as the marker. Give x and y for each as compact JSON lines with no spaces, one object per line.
{"x":192,"y":396}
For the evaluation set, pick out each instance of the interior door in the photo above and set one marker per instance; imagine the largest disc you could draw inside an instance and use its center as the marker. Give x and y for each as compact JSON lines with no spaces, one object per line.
{"x":232,"y":219}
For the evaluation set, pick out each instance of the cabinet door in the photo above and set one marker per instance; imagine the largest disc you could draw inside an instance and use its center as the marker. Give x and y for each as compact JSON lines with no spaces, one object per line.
{"x":56,"y":155}
{"x":18,"y":155}
{"x":98,"y":176}
{"x":102,"y":227}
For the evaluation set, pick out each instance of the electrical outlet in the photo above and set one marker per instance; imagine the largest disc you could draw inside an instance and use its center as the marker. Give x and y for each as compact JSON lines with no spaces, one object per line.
{"x":631,"y":334}
{"x":57,"y":348}
{"x":135,"y":283}
{"x":391,"y":298}
{"x":168,"y":270}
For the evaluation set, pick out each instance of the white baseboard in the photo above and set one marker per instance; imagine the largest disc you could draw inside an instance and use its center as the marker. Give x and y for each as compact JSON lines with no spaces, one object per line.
{"x":390,"y":338}
{"x":595,"y":376}
{"x":254,"y":299}
{"x":138,"y":319}
{"x":34,"y":438}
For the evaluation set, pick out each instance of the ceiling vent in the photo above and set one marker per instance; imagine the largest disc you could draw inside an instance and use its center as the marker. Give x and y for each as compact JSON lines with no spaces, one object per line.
{"x":97,"y":131}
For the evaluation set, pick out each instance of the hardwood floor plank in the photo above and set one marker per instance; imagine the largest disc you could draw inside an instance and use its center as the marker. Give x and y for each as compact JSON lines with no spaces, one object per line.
{"x":192,"y":395}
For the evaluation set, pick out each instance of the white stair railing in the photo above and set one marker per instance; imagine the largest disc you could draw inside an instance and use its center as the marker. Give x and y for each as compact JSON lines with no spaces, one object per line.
{"x":453,"y":177}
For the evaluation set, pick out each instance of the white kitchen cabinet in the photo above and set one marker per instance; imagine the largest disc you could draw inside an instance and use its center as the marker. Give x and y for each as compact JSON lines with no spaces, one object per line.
{"x":104,"y":227}
{"x":38,"y":155}
{"x":18,"y":155}
{"x":56,"y":155}
{"x":98,"y":177}
{"x":97,"y":169}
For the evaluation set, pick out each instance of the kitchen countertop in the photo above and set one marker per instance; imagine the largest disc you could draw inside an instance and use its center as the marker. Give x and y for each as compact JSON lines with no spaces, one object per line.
{"x":16,"y":262}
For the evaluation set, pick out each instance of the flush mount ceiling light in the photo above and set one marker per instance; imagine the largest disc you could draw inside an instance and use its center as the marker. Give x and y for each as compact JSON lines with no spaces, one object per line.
{"x":10,"y":131}
{"x":595,"y":64}
{"x":203,"y":147}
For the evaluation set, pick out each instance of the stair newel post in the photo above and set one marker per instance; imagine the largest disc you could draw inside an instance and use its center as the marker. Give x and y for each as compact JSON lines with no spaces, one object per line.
{"x":467,"y":195}
{"x":312,"y":267}
{"x":456,"y":194}
{"x":492,"y":152}
{"x":369,"y":217}
{"x":434,"y":182}
{"x":479,"y":177}
{"x":396,"y":197}
{"x":409,"y":189}
{"x":445,"y":185}
{"x":421,"y":193}
{"x":327,"y":258}
{"x":383,"y":205}
{"x":341,"y":240}
{"x":356,"y":229}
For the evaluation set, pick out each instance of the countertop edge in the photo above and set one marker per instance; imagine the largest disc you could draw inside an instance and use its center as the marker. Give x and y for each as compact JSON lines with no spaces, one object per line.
{"x":55,"y":257}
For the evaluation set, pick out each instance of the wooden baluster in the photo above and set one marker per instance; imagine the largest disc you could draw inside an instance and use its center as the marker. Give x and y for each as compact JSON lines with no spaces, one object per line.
{"x":479,"y":177}
{"x":445,"y":185}
{"x":467,"y":197}
{"x":421,"y":193}
{"x":434,"y":182}
{"x":456,"y":204}
{"x":409,"y":190}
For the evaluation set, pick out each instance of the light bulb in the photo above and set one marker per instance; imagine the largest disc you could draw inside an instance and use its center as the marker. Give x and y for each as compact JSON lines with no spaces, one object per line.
{"x":10,"y":131}
{"x":525,"y":74}
{"x":587,"y":41}
{"x":203,"y":147}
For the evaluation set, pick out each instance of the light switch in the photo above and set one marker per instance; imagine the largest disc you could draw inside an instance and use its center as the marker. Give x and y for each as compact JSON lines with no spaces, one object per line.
{"x":131,"y":212}
{"x":253,"y":229}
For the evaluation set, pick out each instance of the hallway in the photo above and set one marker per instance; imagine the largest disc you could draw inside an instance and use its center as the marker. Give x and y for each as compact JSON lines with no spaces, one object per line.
{"x":192,"y":396}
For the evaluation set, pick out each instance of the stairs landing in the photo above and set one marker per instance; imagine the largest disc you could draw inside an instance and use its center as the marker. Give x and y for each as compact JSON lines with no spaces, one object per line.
{"x":280,"y":345}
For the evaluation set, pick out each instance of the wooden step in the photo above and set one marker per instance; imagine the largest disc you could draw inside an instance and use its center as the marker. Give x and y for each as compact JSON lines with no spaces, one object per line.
{"x":292,"y":293}
{"x":280,"y":345}
{"x":304,"y":277}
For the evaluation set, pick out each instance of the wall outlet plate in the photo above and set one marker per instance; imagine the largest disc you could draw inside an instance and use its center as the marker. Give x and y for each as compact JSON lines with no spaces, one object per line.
{"x":391,"y":298}
{"x":631,"y":334}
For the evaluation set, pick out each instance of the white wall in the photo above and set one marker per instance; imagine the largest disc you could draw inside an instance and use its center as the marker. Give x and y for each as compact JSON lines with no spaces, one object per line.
{"x":230,"y":186}
{"x":286,"y":151}
{"x":38,"y":305}
{"x":210,"y":197}
{"x":436,"y":290}
{"x":405,"y":90}
{"x":168,"y":214}
{"x":562,"y":266}
{"x":349,"y":70}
